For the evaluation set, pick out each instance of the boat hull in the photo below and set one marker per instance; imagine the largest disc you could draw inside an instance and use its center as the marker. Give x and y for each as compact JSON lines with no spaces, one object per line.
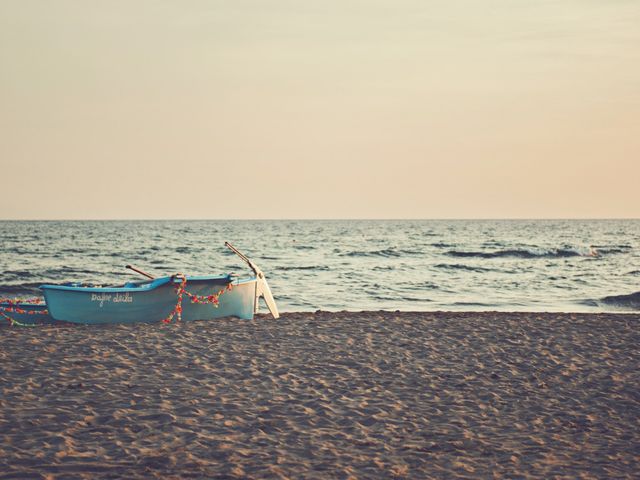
{"x":151,"y":302}
{"x":25,"y":313}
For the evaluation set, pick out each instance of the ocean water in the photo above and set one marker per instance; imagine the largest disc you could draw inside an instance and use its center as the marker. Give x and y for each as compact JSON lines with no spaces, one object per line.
{"x":408,"y":265}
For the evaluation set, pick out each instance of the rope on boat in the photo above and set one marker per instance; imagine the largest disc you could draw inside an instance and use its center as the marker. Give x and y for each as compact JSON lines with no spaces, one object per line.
{"x":181,"y":289}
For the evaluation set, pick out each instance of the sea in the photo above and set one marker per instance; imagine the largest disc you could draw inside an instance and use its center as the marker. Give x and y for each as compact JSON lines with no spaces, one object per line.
{"x":353,"y":265}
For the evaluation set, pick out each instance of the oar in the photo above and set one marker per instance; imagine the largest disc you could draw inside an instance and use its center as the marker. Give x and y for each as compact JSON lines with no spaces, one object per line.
{"x":131,"y":267}
{"x":262,"y":287}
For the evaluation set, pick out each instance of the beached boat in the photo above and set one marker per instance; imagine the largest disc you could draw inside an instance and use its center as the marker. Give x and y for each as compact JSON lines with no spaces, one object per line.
{"x":25,"y":312}
{"x":166,"y":299}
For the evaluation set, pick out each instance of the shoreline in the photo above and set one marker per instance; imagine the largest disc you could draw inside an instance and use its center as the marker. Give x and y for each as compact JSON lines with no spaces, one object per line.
{"x":378,"y":394}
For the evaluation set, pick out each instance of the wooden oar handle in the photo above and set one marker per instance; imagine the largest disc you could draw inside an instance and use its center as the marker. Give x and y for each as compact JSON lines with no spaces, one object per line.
{"x":236,"y":251}
{"x":130,"y":267}
{"x":243,"y":257}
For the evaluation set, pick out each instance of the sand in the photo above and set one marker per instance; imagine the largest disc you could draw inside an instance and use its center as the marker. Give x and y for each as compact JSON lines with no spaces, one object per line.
{"x":325,"y":395}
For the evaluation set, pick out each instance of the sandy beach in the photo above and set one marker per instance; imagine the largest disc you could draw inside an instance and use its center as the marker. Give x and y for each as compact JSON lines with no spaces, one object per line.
{"x":325,"y":395}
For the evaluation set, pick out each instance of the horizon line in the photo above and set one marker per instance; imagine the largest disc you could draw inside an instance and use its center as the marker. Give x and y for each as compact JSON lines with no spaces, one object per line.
{"x":335,"y":219}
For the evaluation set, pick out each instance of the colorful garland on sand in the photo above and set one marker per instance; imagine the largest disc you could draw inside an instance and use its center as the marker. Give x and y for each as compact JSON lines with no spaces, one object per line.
{"x":181,"y":289}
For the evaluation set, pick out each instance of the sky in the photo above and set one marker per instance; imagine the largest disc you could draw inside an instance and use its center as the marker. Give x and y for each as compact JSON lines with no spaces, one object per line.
{"x":254,"y":109}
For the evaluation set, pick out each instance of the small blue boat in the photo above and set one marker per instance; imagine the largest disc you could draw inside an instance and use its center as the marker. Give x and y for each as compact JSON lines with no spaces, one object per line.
{"x":25,"y":312}
{"x":165,"y":299}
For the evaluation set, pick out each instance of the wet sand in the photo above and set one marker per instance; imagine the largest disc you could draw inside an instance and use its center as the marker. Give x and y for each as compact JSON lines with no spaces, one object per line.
{"x":325,"y":395}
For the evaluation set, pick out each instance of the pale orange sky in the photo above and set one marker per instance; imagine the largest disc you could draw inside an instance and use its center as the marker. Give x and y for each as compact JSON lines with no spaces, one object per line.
{"x":332,"y":109}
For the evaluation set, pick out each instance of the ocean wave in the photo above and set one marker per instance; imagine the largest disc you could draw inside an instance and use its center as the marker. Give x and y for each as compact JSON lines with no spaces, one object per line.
{"x":387,"y":252}
{"x":442,"y":245}
{"x":304,"y":247}
{"x":630,"y":301}
{"x":18,"y":250}
{"x":20,"y":273}
{"x":382,"y":268}
{"x":415,"y":299}
{"x":416,"y":286}
{"x":30,"y":288}
{"x":75,"y":250}
{"x":302,"y":267}
{"x":458,"y":266}
{"x":526,"y":253}
{"x":474,"y":304}
{"x":609,"y":250}
{"x":64,"y":270}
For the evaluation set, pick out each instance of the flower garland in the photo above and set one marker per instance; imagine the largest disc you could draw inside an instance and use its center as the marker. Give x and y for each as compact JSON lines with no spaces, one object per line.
{"x":14,"y":308}
{"x":181,"y":289}
{"x":213,"y":299}
{"x":177,"y":311}
{"x":14,"y":322}
{"x":13,"y":302}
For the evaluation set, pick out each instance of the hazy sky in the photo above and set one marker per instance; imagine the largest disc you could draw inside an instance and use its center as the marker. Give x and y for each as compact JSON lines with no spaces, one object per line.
{"x":320,"y":109}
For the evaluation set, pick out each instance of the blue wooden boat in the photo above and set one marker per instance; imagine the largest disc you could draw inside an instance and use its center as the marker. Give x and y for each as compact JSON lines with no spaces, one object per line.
{"x":165,"y":299}
{"x":25,"y":312}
